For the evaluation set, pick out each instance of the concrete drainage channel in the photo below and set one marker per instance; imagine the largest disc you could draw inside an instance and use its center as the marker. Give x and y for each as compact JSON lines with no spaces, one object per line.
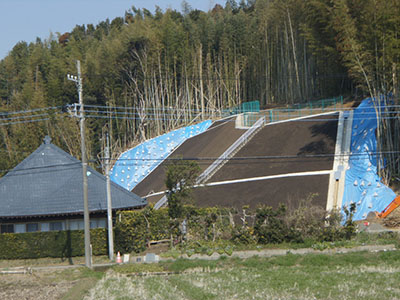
{"x":152,"y":258}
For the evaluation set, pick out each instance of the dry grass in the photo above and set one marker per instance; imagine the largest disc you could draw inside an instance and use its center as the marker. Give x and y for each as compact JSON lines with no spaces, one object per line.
{"x":346,"y":276}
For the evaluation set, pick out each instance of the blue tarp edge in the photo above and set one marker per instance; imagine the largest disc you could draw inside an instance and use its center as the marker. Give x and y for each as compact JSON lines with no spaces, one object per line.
{"x":362,"y":183}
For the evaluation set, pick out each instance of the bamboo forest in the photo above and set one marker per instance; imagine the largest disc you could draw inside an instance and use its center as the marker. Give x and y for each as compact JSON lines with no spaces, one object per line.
{"x":146,"y":73}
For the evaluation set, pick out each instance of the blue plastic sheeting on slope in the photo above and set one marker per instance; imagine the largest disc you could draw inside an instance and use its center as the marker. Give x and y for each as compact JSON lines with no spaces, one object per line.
{"x":135,"y":164}
{"x":362,"y":185}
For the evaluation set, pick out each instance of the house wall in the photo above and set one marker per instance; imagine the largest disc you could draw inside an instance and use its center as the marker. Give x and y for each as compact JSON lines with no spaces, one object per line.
{"x":49,"y":225}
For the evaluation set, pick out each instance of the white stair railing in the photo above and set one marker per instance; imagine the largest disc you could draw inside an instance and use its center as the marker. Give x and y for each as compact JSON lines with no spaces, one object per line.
{"x":161,"y":202}
{"x":236,"y":146}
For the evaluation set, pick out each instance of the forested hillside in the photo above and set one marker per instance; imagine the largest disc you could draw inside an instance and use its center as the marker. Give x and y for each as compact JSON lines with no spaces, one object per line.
{"x":146,"y":73}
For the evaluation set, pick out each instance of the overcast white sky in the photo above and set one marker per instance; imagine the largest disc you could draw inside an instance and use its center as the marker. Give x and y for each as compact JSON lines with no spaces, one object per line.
{"x":24,"y":20}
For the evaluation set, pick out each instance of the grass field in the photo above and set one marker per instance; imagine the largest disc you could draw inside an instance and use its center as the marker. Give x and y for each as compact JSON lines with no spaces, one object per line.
{"x":359,"y":275}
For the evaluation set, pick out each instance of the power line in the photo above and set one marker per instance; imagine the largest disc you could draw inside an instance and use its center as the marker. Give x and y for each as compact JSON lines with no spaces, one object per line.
{"x":24,"y":122}
{"x":291,"y":118}
{"x":256,"y":159}
{"x":306,"y":118}
{"x":16,"y":172}
{"x":28,"y":111}
{"x":24,"y":117}
{"x":217,"y":78}
{"x":138,"y":108}
{"x":169,"y":114}
{"x":201,"y":160}
{"x":176,"y":109}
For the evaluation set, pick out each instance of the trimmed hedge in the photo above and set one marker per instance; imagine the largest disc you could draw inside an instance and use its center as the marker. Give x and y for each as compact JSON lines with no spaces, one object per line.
{"x":51,"y":244}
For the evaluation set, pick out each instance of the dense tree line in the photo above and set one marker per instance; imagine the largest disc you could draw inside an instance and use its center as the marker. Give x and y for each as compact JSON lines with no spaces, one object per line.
{"x":146,"y":73}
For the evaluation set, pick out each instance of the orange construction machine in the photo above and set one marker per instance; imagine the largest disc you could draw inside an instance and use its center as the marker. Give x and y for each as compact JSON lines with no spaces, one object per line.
{"x":391,"y":207}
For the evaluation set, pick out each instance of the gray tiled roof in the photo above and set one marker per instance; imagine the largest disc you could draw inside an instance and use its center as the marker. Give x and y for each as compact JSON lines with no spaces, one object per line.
{"x":49,"y":182}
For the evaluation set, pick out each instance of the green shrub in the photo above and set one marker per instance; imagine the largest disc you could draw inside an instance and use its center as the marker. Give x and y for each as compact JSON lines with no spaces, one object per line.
{"x":349,"y":228}
{"x":220,"y":251}
{"x":190,"y":252}
{"x":229,"y":250}
{"x":243,"y":235}
{"x":307,"y":220}
{"x":136,"y":228}
{"x":208,"y":223}
{"x":270,"y":226}
{"x":210,"y":229}
{"x":173,"y":253}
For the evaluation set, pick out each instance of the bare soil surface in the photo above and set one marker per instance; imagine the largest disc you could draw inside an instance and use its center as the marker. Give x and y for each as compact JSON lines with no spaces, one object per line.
{"x":49,"y":283}
{"x":32,"y":286}
{"x":392,"y":220}
{"x":289,"y":191}
{"x":288,"y":147}
{"x":50,"y":278}
{"x":210,"y":144}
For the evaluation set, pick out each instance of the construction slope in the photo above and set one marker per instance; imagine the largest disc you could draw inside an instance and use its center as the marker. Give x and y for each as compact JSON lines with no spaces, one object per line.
{"x":283,"y":163}
{"x":291,"y":147}
{"x":210,"y":144}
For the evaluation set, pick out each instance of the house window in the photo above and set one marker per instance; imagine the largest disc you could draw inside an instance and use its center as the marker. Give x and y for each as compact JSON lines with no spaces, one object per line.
{"x":32,"y":227}
{"x":44,"y":227}
{"x":7,"y":228}
{"x":56,"y":226}
{"x":93,"y":224}
{"x":97,"y":223}
{"x":101,"y":223}
{"x":20,"y":228}
{"x":76,"y":224}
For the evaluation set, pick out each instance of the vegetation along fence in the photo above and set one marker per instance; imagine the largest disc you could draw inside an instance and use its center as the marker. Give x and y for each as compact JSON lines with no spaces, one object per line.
{"x":303,"y":109}
{"x":251,"y":110}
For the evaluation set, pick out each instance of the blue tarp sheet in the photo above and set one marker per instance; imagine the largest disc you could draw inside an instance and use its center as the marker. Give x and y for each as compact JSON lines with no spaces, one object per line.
{"x":135,"y":164}
{"x":362,"y":184}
